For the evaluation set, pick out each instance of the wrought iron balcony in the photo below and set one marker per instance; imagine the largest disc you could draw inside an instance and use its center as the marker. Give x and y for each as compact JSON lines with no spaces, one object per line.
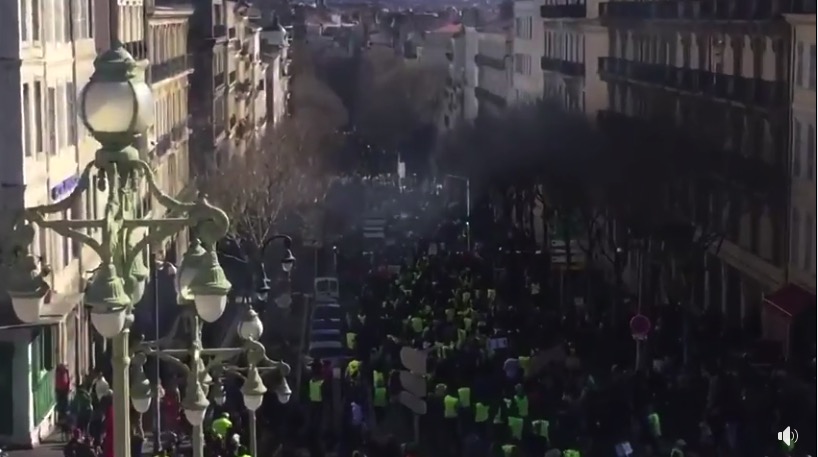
{"x":493,"y":62}
{"x":571,"y":10}
{"x":231,"y":33}
{"x":713,"y":10}
{"x":179,"y":132}
{"x":172,"y":67}
{"x":231,"y":78}
{"x":748,"y":91}
{"x":561,"y":66}
{"x":218,"y":80}
{"x":219,"y":30}
{"x":485,"y":95}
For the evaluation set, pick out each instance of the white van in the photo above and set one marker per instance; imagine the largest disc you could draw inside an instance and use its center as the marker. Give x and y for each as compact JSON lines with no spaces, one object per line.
{"x":326,"y":289}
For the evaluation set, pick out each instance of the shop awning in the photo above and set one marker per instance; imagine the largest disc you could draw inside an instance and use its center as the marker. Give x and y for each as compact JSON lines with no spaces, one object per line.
{"x":791,"y":300}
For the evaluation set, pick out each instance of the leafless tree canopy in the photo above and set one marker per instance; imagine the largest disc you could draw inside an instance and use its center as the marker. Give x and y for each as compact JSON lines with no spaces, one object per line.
{"x":285,"y":170}
{"x":396,"y":97}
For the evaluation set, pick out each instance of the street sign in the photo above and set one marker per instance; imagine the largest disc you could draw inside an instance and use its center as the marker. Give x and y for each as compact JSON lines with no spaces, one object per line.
{"x":640,"y":326}
{"x":415,"y":404}
{"x":415,"y":384}
{"x":413,"y":359}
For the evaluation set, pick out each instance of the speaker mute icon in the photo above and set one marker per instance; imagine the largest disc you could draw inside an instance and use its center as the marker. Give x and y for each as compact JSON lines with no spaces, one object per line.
{"x":788,"y":436}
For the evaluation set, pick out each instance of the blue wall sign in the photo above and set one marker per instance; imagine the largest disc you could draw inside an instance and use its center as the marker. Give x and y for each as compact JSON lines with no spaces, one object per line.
{"x":64,"y":188}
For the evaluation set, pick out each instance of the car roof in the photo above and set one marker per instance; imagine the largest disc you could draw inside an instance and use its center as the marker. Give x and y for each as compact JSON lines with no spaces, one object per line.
{"x":325,"y":345}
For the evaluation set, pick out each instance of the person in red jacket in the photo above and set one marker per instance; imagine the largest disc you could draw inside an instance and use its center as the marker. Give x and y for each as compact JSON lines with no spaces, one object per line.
{"x":62,"y":387}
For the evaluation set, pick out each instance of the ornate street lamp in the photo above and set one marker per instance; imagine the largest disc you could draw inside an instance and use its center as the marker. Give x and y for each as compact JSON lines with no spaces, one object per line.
{"x":117,"y":107}
{"x":195,"y":403}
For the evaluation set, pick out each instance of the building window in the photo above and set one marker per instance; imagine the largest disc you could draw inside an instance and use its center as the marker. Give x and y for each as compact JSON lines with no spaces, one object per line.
{"x":799,"y":64}
{"x":62,"y":118}
{"x":71,"y":103}
{"x":69,"y":31}
{"x":51,"y":120}
{"x":796,"y":149}
{"x":812,"y":63}
{"x":89,"y":17}
{"x":810,"y":165}
{"x":35,"y":19}
{"x":27,"y":120}
{"x":38,"y":117}
{"x":809,"y":236}
{"x":23,"y":20}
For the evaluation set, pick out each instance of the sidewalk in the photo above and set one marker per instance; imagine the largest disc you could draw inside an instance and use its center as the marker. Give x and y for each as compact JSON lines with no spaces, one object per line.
{"x":50,"y":446}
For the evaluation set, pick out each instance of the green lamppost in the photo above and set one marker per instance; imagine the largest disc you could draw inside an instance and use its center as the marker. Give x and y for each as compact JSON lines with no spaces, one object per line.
{"x":117,"y":106}
{"x":200,"y":381}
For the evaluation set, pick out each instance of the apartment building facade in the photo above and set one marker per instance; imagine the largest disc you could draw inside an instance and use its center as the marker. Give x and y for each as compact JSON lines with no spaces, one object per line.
{"x":208,"y":44}
{"x":167,"y":141}
{"x":494,"y":61}
{"x":275,"y":53}
{"x":527,"y":79}
{"x":460,"y":102}
{"x":802,"y":152}
{"x":46,"y":57}
{"x":720,"y":87}
{"x":573,"y":42}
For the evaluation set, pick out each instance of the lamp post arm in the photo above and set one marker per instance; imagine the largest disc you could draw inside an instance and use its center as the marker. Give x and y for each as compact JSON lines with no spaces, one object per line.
{"x":210,"y":220}
{"x":68,"y":229}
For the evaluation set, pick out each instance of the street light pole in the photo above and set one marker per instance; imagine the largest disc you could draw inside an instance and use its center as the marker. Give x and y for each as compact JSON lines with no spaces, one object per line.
{"x":467,"y":180}
{"x":200,"y":382}
{"x":117,"y":107}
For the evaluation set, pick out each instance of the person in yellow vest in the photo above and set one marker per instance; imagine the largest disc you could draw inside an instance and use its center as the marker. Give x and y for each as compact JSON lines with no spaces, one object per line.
{"x":221,"y":426}
{"x":521,"y":401}
{"x":525,"y":364}
{"x":316,"y":396}
{"x":351,"y":339}
{"x":380,"y":400}
{"x":515,"y":427}
{"x":352,"y":369}
{"x":481,"y":418}
{"x":571,"y":453}
{"x":540,"y":436}
{"x":243,"y":452}
{"x":509,"y":450}
{"x":451,"y":406}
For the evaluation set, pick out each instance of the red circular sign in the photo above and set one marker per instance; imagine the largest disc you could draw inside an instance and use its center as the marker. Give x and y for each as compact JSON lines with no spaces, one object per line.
{"x":640,"y":326}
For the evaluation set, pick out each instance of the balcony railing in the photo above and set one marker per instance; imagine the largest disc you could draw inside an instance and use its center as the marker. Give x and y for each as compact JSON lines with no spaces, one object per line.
{"x":572,"y":10}
{"x":713,"y":10}
{"x":170,"y":68}
{"x":483,"y":94}
{"x":231,"y":33}
{"x":231,"y":77}
{"x":493,"y":62}
{"x":218,"y":80}
{"x":739,"y":89}
{"x":219,"y":30}
{"x":564,"y":67}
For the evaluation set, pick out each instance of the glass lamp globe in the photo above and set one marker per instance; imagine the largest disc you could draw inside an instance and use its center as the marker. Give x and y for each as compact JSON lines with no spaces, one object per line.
{"x":253,"y":401}
{"x":195,"y":416}
{"x":283,"y":392}
{"x":109,"y":323}
{"x":141,"y":404}
{"x":117,"y":99}
{"x":288,"y":261}
{"x":251,"y":327}
{"x":27,"y":309}
{"x":210,"y":307}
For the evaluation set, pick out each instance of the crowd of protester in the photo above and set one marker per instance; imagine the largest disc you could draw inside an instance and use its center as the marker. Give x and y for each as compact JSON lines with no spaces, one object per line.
{"x":518,"y":370}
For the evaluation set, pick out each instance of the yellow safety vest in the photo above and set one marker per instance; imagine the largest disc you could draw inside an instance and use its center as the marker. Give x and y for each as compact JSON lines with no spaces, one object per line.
{"x":508,"y":449}
{"x":351,"y":340}
{"x":315,"y":390}
{"x":464,"y":395}
{"x":541,"y":428}
{"x":379,"y":399}
{"x":352,"y":368}
{"x":522,"y":405}
{"x":571,"y":453}
{"x":377,"y":378}
{"x":655,"y":425}
{"x":449,"y":407}
{"x":467,"y":323}
{"x":417,"y":324}
{"x":481,"y":413}
{"x":516,"y":426}
{"x":221,"y":426}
